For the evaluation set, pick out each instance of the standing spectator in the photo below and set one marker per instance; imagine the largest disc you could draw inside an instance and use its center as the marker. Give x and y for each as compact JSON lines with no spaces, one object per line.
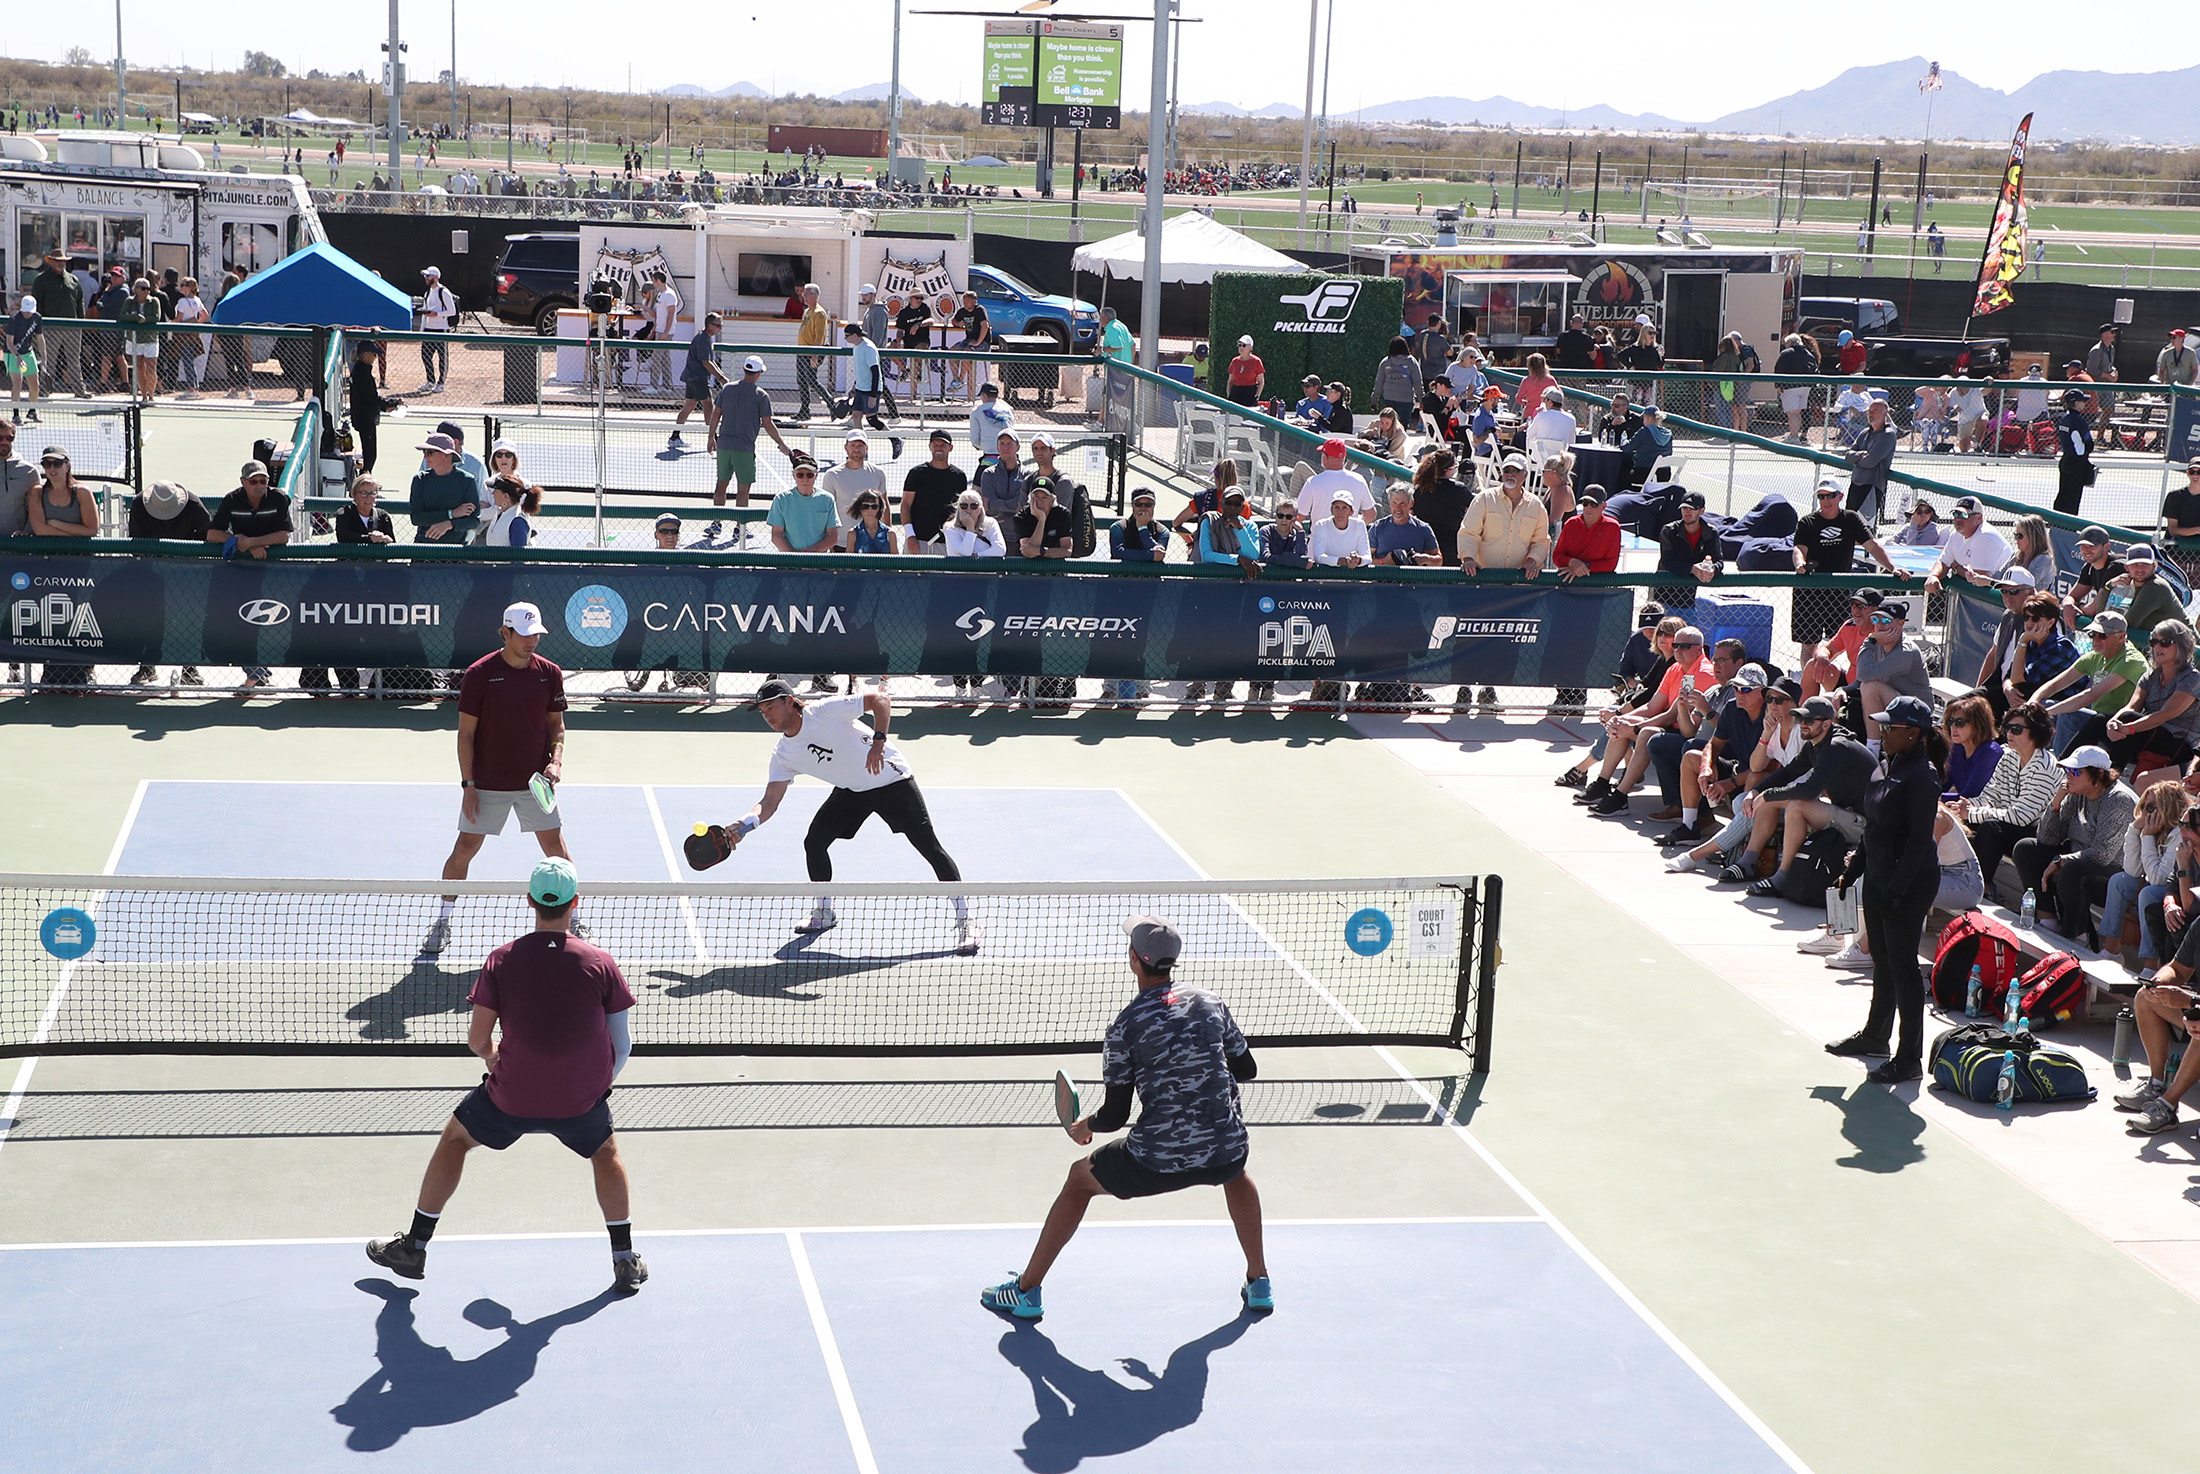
{"x":367,"y":402}
{"x":1404,"y":540}
{"x":1588,"y":541}
{"x":1005,"y":483}
{"x":854,"y":477}
{"x":445,"y":502}
{"x":1432,"y":347}
{"x":167,"y":510}
{"x":1537,"y":378}
{"x":1398,"y":381}
{"x":988,"y":419}
{"x":977,"y":335}
{"x":697,"y":373}
{"x":1114,"y":339}
{"x":236,"y":356}
{"x":1642,"y":355}
{"x":1575,"y":348}
{"x":1870,"y":460}
{"x":1797,"y":365}
{"x":1689,"y":548}
{"x":1826,"y":542}
{"x":364,"y":523}
{"x":193,"y":349}
{"x":2100,"y":365}
{"x":1248,"y":376}
{"x":1440,"y":500}
{"x":2080,"y":844}
{"x":17,"y":478}
{"x":2074,"y":441}
{"x":1727,"y":396}
{"x":108,"y":347}
{"x":1901,"y":856}
{"x":816,"y":331}
{"x":516,"y":504}
{"x":877,"y":320}
{"x":2175,"y":364}
{"x":1507,"y":526}
{"x":19,"y":342}
{"x":744,"y":410}
{"x":664,"y":328}
{"x":866,"y":379}
{"x":1464,"y":374}
{"x":249,"y":521}
{"x":932,"y":493}
{"x":438,"y":310}
{"x":59,"y":297}
{"x":1340,"y":540}
{"x":141,"y":317}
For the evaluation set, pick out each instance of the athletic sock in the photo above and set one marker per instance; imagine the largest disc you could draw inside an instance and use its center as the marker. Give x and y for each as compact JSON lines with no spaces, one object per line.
{"x":445,"y":913}
{"x":1688,"y":816}
{"x":622,"y":1238}
{"x":962,"y":908}
{"x":423,"y":1228}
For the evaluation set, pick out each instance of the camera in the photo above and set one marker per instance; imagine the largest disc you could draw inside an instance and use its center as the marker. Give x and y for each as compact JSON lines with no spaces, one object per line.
{"x":603,"y":295}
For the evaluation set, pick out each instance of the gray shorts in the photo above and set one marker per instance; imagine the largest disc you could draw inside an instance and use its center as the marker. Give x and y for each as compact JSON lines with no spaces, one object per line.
{"x":498,"y":803}
{"x":1847,"y":823}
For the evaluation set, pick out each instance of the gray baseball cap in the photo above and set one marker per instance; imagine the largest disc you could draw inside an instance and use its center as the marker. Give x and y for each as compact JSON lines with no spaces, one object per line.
{"x":1153,"y":939}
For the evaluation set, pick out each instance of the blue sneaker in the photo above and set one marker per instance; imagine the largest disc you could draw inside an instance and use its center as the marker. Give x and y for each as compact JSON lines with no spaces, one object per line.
{"x":1021,"y":1303}
{"x":1257,"y":1294}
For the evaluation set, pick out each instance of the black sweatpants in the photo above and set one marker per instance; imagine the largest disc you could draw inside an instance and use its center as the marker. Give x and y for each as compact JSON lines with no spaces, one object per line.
{"x":1895,"y":925}
{"x":900,"y":804}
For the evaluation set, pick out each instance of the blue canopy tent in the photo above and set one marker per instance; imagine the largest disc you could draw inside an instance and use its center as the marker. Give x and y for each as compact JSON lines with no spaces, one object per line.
{"x":318,"y":287}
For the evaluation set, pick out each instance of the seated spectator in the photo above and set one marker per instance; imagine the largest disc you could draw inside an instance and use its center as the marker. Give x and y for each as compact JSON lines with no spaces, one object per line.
{"x":1589,"y":541}
{"x":931,"y":493}
{"x":2031,"y":551}
{"x":1440,"y":412}
{"x":2149,"y":873}
{"x":972,"y":533}
{"x":61,"y":505}
{"x":1850,"y":407}
{"x":167,"y":510}
{"x":2142,"y":599}
{"x":1973,"y":752}
{"x":1042,"y":527}
{"x":1831,"y":667}
{"x":1974,"y":551}
{"x":1551,"y":424}
{"x":1386,"y":437}
{"x":1313,"y":405}
{"x":2041,"y":650}
{"x":512,"y":525}
{"x":445,"y":505}
{"x":1227,"y":537}
{"x":1507,"y":526}
{"x":1557,"y":488}
{"x":2159,"y":1010}
{"x":1711,"y":763}
{"x":2162,"y":718}
{"x":1822,"y":788}
{"x":1618,"y":421}
{"x":2079,"y":845}
{"x":2005,"y":655}
{"x":1283,"y":542}
{"x":803,"y":519}
{"x":1005,"y":484}
{"x":1649,"y":445}
{"x":869,"y":532}
{"x":1780,"y":741}
{"x":2098,"y":567}
{"x":1441,"y":500}
{"x":1642,"y":665}
{"x":1689,"y":548}
{"x":1341,"y":540}
{"x":2009,"y":808}
{"x":1402,"y":539}
{"x":1631,"y":732}
{"x":1887,"y":665}
{"x":2107,"y":677}
{"x":1138,"y":539}
{"x":1224,"y":480}
{"x":1695,"y":713}
{"x":1464,"y":373}
{"x":1922,"y":529}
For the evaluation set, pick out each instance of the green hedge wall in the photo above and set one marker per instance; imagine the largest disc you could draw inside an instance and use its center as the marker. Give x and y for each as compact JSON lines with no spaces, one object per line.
{"x":1249,"y":302}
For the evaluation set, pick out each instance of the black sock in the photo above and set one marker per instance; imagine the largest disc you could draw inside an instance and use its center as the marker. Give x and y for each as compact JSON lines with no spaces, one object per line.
{"x":423,"y":1228}
{"x":622,"y":1236}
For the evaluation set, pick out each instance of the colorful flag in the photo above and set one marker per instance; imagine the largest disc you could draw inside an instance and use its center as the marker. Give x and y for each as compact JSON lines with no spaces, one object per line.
{"x":2004,"y":258}
{"x":1930,"y":82}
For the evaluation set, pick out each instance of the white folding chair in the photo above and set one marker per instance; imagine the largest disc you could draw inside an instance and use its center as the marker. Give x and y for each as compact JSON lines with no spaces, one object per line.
{"x":1667,"y":468}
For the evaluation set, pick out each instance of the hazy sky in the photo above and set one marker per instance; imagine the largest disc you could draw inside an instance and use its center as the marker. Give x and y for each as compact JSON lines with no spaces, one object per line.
{"x":1684,"y":58}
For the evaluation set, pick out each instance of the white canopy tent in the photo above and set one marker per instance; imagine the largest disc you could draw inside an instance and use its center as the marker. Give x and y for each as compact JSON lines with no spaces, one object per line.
{"x":1193,"y":248}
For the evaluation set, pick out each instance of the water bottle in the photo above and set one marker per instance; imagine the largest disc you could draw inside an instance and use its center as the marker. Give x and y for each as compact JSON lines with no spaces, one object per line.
{"x":2029,"y":913}
{"x":2005,"y":1088}
{"x":2120,"y":1052}
{"x":2009,"y":1015}
{"x":1975,"y":995}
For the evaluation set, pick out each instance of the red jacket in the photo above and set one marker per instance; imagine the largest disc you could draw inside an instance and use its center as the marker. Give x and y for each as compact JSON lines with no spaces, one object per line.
{"x":1596,"y":546}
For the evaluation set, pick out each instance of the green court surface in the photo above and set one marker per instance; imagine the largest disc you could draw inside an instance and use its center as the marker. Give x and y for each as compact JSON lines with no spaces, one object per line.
{"x":1876,"y":1293}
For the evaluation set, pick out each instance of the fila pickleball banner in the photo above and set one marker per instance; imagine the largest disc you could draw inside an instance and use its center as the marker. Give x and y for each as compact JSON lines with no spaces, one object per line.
{"x":120,"y":609}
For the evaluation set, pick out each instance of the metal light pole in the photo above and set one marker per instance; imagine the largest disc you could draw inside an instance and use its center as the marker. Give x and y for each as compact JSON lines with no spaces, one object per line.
{"x":454,"y":78}
{"x":1157,"y":154}
{"x":893,"y":102}
{"x":396,"y":50}
{"x":1306,"y":118}
{"x":122,"y":102}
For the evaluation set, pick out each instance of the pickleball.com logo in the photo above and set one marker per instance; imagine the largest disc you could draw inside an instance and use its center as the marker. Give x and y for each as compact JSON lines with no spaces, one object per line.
{"x":595,"y":615}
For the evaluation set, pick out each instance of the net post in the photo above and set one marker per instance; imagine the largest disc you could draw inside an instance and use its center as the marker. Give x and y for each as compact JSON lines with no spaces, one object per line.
{"x":1485,"y":992}
{"x":1469,"y":918}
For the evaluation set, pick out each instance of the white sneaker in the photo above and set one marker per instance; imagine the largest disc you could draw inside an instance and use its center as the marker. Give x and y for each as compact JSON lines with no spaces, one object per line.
{"x":821,"y":919}
{"x":1851,"y":958}
{"x":438,"y":937}
{"x":1680,"y":864}
{"x":1825,"y":944}
{"x":968,"y":934}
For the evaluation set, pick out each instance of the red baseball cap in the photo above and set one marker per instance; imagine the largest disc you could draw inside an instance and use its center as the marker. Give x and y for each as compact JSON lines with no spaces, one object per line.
{"x":1334,"y":447}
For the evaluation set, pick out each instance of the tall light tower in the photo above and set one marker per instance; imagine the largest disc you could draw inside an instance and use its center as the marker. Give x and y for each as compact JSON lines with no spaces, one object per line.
{"x":122,"y":99}
{"x":394,"y":86}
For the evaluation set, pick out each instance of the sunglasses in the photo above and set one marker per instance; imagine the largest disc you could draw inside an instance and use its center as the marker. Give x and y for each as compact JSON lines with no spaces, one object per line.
{"x":1287,"y":516}
{"x":805,"y":475}
{"x":1688,"y":644}
{"x":1882,"y":619}
{"x":2161,"y":644}
{"x":2015,"y":729}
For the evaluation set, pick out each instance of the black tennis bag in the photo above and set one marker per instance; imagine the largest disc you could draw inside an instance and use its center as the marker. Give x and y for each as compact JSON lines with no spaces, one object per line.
{"x":1967,"y":1061}
{"x":1816,"y":869}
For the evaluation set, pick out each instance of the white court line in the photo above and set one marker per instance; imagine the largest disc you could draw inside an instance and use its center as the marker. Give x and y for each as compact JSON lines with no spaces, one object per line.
{"x":595,"y":1235}
{"x":672,"y":872}
{"x":68,"y":973}
{"x":851,"y":1417}
{"x":1444,"y":1114}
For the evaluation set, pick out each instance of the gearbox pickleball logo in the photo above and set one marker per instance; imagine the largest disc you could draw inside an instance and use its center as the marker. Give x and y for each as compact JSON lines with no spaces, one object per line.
{"x":67,"y":933}
{"x":1368,"y":932}
{"x":596,"y":615}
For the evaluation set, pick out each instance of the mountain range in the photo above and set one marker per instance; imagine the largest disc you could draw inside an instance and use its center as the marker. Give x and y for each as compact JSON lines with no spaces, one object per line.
{"x":873,"y":92}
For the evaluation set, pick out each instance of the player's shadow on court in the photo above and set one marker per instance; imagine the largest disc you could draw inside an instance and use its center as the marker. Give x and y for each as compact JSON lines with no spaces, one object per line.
{"x":1880,"y":1124}
{"x":796,"y":967}
{"x":1086,"y":1414}
{"x":423,"y":1386}
{"x":425,"y":991}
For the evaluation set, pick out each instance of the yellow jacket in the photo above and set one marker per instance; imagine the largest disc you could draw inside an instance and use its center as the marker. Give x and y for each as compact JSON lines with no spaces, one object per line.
{"x":1497,"y":534}
{"x":816,"y":330}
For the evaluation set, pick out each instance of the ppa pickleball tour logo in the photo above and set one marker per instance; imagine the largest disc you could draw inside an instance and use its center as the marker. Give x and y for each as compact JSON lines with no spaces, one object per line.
{"x":1368,"y":932}
{"x":67,"y":933}
{"x":596,"y":615}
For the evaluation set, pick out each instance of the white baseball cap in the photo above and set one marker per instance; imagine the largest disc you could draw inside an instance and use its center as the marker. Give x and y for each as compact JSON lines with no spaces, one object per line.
{"x":524,"y":619}
{"x":752,"y":365}
{"x":855,"y":436}
{"x":1245,"y":340}
{"x":868,"y":291}
{"x":431,"y":271}
{"x":1043,"y":438}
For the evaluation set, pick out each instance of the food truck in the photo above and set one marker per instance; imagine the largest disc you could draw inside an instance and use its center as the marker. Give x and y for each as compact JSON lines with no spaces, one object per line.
{"x":1517,"y":296}
{"x":143,"y":203}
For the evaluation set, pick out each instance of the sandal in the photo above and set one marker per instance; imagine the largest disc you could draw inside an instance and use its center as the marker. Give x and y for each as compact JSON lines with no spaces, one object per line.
{"x":1766,"y":889}
{"x":1737,"y":874}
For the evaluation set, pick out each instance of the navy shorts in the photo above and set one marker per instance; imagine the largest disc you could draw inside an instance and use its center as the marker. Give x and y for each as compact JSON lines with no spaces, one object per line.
{"x":489,"y":1126}
{"x":1120,"y":1173}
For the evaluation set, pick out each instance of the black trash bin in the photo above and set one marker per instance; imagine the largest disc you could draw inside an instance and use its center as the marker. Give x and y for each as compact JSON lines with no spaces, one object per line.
{"x":523,"y":373}
{"x":1039,"y":378}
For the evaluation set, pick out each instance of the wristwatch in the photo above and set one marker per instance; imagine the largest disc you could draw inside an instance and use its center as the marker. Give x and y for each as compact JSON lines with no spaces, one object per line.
{"x":465,"y":782}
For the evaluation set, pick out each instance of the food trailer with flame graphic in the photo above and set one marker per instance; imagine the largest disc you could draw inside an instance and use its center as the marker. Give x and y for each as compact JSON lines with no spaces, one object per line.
{"x":1516,"y":297}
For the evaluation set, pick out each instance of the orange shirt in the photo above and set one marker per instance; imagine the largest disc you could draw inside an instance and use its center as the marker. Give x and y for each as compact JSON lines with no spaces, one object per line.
{"x":1846,"y":641}
{"x":1669,"y":689}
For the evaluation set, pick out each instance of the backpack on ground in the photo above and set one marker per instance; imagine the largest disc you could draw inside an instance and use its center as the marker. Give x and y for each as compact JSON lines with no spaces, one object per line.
{"x":1967,"y":1061}
{"x":1974,"y":938}
{"x":2051,"y":991}
{"x":1815,"y":869}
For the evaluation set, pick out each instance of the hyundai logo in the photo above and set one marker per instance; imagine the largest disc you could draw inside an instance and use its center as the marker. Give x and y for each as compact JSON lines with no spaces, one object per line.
{"x":264,"y":611}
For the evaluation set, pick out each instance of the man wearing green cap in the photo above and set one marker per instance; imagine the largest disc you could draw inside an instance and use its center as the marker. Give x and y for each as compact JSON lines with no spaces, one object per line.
{"x":550,"y":1022}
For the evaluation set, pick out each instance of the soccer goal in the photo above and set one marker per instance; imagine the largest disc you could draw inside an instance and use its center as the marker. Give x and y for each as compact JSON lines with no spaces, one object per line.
{"x":1705,"y":200}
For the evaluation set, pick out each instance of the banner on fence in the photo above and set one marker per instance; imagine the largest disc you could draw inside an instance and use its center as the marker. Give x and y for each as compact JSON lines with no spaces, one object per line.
{"x":919,"y":281}
{"x":125,"y":610}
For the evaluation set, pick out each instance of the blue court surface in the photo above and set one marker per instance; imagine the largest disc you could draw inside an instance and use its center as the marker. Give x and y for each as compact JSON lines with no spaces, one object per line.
{"x":1478,"y":1345}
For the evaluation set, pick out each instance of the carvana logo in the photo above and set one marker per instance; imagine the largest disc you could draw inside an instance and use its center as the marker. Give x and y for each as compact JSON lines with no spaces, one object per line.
{"x":596,"y":615}
{"x":1367,"y":932}
{"x":1267,"y":605}
{"x":67,"y":933}
{"x":20,"y":582}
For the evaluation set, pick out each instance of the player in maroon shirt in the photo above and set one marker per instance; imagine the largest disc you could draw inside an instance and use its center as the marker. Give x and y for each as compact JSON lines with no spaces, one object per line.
{"x":511,"y":726}
{"x":560,"y":1006}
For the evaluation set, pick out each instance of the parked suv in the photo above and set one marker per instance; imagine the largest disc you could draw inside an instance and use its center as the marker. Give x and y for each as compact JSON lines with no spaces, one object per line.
{"x":539,"y":275}
{"x":1929,"y":358}
{"x":1016,"y":310}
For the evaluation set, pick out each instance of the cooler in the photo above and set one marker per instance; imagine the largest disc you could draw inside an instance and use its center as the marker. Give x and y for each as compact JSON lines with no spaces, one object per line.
{"x":1737,"y":617}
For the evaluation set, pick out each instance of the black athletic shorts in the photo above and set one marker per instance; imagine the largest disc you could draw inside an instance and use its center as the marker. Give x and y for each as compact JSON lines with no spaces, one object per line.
{"x":488,"y":1125}
{"x":900,"y":804}
{"x":1120,"y":1173}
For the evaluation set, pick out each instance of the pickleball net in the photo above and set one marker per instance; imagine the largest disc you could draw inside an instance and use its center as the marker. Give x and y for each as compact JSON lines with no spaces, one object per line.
{"x":166,"y":965}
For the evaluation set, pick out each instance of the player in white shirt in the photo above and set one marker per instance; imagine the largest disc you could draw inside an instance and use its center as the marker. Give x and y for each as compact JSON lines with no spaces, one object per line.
{"x":826,"y":740}
{"x":1332,"y":478}
{"x":664,"y":330}
{"x":438,"y":309}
